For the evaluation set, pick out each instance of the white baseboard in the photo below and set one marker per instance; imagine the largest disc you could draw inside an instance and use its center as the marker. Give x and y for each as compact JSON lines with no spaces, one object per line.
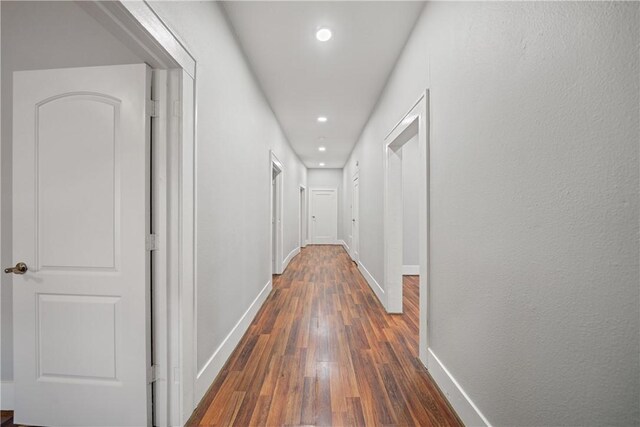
{"x":6,"y":395}
{"x":410,"y":270}
{"x":377,"y":289}
{"x":289,"y":257}
{"x":457,"y":397}
{"x":344,"y":244}
{"x":219,"y":357}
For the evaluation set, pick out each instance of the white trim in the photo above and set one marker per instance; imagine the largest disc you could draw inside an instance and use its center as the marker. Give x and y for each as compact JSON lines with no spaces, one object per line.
{"x":6,"y":391}
{"x":356,"y":254}
{"x":160,"y":290}
{"x":373,"y":284}
{"x":410,"y":270}
{"x":152,"y":38}
{"x":303,"y":228}
{"x":324,"y":188}
{"x":185,"y":256}
{"x":6,"y":395}
{"x":277,"y":258}
{"x":415,"y":121}
{"x":346,"y":247}
{"x":468,"y":412}
{"x":289,"y":257}
{"x":214,"y":365}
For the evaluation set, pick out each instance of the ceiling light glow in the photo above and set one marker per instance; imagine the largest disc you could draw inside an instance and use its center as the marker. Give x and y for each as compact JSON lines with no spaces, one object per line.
{"x":321,"y":164}
{"x":322,"y":148}
{"x":323,"y":34}
{"x":322,"y":119}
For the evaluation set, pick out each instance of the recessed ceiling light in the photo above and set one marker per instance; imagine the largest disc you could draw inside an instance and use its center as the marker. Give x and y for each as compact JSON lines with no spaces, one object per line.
{"x":323,"y":34}
{"x":322,"y":119}
{"x":321,"y":164}
{"x":322,"y":148}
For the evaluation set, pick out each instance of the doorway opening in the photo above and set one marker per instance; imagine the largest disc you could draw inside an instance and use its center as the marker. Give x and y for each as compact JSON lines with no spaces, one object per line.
{"x":303,"y":216}
{"x":411,"y":134}
{"x":410,"y":246}
{"x":276,"y":214}
{"x":355,"y":218}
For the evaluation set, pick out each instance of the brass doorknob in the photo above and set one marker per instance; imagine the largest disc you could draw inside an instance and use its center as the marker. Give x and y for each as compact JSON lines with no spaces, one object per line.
{"x":20,"y":268}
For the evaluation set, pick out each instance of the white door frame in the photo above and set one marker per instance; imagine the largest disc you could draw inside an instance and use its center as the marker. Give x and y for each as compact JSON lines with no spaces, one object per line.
{"x":309,"y":217}
{"x":303,"y":217}
{"x":416,"y":120}
{"x":355,"y":255}
{"x":6,"y":401}
{"x":173,"y":160}
{"x":277,"y":257}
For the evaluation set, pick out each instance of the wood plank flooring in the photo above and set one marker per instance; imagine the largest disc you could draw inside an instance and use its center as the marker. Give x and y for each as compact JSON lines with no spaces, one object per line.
{"x":6,"y":418}
{"x":322,"y":351}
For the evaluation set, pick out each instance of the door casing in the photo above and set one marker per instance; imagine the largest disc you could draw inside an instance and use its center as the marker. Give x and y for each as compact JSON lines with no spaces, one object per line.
{"x":275,"y":209}
{"x":302,"y":215}
{"x":415,"y":120}
{"x":355,"y":218}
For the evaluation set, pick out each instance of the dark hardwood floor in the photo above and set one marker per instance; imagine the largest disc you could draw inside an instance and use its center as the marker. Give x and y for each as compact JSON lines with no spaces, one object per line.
{"x":322,"y":351}
{"x":6,"y":418}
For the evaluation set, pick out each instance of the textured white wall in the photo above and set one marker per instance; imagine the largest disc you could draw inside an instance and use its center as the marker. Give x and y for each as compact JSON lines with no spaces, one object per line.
{"x":236,"y":129}
{"x":534,"y":203}
{"x":328,"y":178}
{"x":41,"y":35}
{"x":410,"y":193}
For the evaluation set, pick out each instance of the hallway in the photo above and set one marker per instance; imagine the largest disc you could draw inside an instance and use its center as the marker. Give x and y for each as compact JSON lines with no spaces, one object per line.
{"x":322,"y":351}
{"x":252,"y":213}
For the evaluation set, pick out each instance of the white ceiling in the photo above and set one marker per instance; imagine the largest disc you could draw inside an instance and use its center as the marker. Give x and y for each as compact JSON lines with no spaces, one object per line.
{"x":340,"y":79}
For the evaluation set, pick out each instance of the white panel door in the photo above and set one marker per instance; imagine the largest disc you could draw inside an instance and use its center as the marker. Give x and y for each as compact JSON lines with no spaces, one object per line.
{"x":81,"y":217}
{"x":324,"y":216}
{"x":355,"y":221}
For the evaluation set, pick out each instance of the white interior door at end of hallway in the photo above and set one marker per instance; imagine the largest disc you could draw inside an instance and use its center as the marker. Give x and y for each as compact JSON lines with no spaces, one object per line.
{"x":355,"y":220}
{"x":81,"y":212}
{"x":324,"y":216}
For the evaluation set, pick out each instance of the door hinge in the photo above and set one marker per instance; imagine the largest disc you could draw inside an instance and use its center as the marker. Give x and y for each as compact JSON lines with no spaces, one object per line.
{"x":152,"y":374}
{"x":153,"y":108}
{"x":152,"y":242}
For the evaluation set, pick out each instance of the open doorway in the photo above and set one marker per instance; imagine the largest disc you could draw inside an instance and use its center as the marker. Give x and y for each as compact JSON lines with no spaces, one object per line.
{"x":410,"y":135}
{"x":355,"y":218}
{"x":410,"y":195}
{"x":276,"y":214}
{"x":303,"y":216}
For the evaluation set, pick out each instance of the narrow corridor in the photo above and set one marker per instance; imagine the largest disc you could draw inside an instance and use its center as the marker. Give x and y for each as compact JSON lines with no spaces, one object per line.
{"x":322,"y":351}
